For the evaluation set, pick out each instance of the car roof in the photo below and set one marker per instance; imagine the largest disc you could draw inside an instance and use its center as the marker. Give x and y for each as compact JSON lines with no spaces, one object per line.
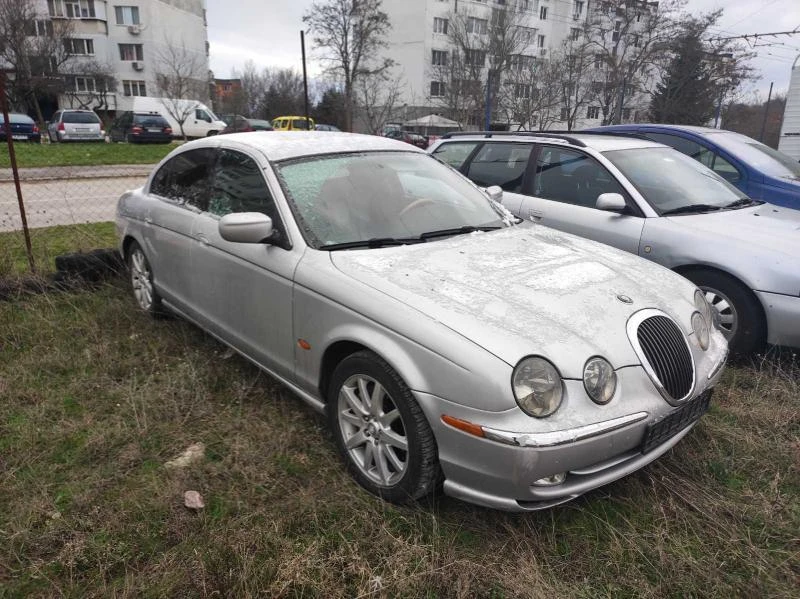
{"x":598,"y":142}
{"x":17,"y":117}
{"x":688,"y":128}
{"x":282,"y":145}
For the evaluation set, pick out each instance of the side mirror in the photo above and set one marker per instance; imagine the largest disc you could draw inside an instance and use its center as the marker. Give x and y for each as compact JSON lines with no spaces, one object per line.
{"x":495,"y":192}
{"x":611,"y":202}
{"x":246,"y":227}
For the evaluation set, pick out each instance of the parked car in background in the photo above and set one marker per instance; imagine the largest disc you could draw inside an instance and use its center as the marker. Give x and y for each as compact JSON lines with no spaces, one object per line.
{"x":22,"y":128}
{"x":292,"y":123}
{"x":321,"y":127}
{"x":200,"y":119}
{"x":759,"y":171}
{"x":515,"y":365}
{"x":415,"y":139}
{"x":75,"y":125}
{"x":240,"y":124}
{"x":648,"y":199}
{"x":140,"y":127}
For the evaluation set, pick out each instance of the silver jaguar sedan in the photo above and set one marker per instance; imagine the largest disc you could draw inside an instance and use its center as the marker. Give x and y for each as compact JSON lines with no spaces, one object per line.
{"x":513,"y":365}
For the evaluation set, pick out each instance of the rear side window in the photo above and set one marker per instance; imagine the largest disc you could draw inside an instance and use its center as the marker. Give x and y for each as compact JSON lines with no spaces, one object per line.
{"x":80,"y":117}
{"x":299,"y":124}
{"x":185,"y":178}
{"x":500,"y":164}
{"x":146,"y":120}
{"x":455,"y":154}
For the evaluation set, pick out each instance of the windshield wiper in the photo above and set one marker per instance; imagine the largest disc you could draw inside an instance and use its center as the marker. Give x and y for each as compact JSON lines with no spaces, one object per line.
{"x":456,"y":231}
{"x":691,"y":209}
{"x":375,"y":242}
{"x":744,"y":203}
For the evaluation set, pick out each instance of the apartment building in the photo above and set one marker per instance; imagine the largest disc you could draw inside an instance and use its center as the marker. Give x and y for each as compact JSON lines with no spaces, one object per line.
{"x":114,"y":49}
{"x":429,"y":36}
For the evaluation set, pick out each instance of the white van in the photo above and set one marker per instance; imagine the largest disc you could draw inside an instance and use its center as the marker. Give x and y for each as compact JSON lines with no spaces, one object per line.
{"x":201,"y":121}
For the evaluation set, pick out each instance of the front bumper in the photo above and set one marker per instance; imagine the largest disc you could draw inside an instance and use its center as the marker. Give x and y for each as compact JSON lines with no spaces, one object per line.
{"x":783,"y":318}
{"x":500,"y":474}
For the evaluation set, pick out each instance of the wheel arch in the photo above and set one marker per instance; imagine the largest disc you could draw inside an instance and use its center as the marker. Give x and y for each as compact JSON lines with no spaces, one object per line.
{"x":126,"y":246}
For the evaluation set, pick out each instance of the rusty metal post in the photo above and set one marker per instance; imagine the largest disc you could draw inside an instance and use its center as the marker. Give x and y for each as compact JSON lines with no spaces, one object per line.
{"x":15,"y":170}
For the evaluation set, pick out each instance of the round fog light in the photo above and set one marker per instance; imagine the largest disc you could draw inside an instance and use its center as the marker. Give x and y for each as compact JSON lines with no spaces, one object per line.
{"x":552,"y":480}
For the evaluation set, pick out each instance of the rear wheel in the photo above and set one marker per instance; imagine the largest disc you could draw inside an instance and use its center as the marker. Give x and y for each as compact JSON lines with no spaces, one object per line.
{"x":144,"y":290}
{"x":381,"y":431}
{"x":741,"y":317}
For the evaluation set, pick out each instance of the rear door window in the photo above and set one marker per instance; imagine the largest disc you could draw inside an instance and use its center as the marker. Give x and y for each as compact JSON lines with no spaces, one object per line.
{"x":455,"y":154}
{"x":185,"y":178}
{"x":501,"y":164}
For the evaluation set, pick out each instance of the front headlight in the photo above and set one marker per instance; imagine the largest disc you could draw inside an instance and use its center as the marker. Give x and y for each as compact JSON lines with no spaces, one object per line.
{"x":599,"y":380}
{"x":702,"y":306}
{"x":537,"y":387}
{"x":701,"y":330}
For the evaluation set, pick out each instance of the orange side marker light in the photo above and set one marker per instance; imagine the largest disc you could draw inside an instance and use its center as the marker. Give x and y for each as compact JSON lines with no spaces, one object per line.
{"x":463,"y":425}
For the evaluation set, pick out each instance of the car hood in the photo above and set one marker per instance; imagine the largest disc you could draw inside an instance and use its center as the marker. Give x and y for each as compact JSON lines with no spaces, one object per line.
{"x":767,"y":226}
{"x":526,"y":290}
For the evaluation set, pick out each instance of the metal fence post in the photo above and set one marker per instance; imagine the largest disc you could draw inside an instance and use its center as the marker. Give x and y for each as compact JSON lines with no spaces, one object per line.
{"x":15,"y":170}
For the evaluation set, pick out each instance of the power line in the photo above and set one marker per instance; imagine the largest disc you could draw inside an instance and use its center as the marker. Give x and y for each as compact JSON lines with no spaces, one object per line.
{"x":755,"y":36}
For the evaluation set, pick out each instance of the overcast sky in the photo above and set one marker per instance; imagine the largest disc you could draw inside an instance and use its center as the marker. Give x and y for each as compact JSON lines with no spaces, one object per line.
{"x":269,"y":34}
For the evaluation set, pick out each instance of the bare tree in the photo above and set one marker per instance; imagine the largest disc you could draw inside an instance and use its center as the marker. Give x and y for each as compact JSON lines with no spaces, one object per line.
{"x":33,"y":47}
{"x":484,"y":46}
{"x":351,"y":34}
{"x":574,"y":74}
{"x":376,"y":98}
{"x":88,"y":85}
{"x":532,"y":93}
{"x":629,"y":40}
{"x":181,"y":75}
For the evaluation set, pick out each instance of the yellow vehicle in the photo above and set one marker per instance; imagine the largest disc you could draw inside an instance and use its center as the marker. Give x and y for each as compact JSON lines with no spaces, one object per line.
{"x":292,"y":123}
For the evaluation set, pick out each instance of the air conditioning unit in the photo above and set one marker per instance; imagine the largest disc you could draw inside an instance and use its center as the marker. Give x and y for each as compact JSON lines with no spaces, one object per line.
{"x":134,"y":29}
{"x":137,"y":66}
{"x":542,"y":51}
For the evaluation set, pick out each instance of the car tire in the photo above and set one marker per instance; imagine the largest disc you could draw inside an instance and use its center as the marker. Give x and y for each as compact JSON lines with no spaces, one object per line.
{"x":141,"y":274}
{"x":212,"y":133}
{"x":741,"y":316}
{"x":387,"y":445}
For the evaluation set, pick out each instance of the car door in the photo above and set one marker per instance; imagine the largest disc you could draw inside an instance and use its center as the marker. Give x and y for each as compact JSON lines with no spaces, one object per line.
{"x":179,"y":191}
{"x":563,"y":194}
{"x":244,"y":290}
{"x":505,"y":164}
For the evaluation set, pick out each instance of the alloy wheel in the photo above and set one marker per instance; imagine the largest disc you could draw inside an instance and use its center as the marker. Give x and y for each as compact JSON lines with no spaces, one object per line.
{"x":373,"y":430}
{"x":141,"y":279}
{"x":726,"y":311}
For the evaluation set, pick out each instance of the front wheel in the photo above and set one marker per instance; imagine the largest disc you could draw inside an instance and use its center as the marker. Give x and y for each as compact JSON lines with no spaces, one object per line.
{"x":381,"y":431}
{"x":142,"y":280}
{"x":741,"y":318}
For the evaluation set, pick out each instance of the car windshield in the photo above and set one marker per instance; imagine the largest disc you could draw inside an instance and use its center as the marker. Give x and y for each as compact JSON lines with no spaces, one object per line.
{"x":80,"y":117}
{"x":670,"y":181}
{"x":748,"y":150}
{"x":381,"y":195}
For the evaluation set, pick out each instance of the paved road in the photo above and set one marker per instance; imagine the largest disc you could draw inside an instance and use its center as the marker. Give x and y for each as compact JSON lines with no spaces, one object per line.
{"x":64,"y":202}
{"x":101,"y":171}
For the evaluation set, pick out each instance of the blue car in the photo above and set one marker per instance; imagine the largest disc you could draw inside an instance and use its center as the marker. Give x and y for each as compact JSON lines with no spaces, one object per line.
{"x":23,"y":128}
{"x":756,"y":169}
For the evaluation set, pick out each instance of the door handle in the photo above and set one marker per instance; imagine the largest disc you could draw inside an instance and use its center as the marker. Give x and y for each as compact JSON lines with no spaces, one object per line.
{"x":534,"y":214}
{"x":148,"y":220}
{"x":201,"y":238}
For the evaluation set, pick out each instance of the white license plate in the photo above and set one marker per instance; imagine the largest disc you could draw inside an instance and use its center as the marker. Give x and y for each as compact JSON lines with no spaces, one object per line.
{"x":154,"y":130}
{"x":21,"y":137}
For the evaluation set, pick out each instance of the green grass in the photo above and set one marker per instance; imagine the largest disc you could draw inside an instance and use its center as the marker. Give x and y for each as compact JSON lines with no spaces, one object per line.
{"x":84,"y":154}
{"x":96,"y":397}
{"x":49,"y":242}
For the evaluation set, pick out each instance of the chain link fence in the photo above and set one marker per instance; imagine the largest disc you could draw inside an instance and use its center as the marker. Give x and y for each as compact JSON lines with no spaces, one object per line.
{"x":61,"y":197}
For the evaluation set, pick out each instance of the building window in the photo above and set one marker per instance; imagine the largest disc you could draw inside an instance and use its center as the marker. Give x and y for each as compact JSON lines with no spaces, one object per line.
{"x":564,"y":114}
{"x":439,"y":58}
{"x":522,"y":90}
{"x":78,"y":46}
{"x":440,"y":25}
{"x":577,"y":10}
{"x":72,"y":9}
{"x":40,"y":28}
{"x":540,"y":41}
{"x":131,"y":52}
{"x":127,"y":15}
{"x":593,"y":112}
{"x":133,"y":88}
{"x":479,"y":26}
{"x":543,"y":13}
{"x":521,"y":62}
{"x":527,"y":34}
{"x":576,"y":33}
{"x":437,"y":89}
{"x":474,"y":58}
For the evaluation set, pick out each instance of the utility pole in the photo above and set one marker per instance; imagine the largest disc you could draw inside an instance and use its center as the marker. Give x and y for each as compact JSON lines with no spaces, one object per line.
{"x":305,"y":79}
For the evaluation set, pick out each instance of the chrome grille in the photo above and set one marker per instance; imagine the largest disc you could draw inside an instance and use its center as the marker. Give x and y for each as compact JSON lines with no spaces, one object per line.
{"x":667,"y":356}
